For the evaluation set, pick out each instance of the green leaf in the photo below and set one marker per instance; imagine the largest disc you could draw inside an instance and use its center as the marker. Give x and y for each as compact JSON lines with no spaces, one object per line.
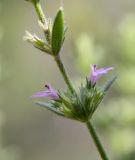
{"x":58,"y":32}
{"x":49,"y":107}
{"x":109,"y":84}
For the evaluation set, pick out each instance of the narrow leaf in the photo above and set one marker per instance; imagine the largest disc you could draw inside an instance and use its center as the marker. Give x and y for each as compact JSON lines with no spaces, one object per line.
{"x":49,"y":107}
{"x":58,"y":32}
{"x":109,"y":84}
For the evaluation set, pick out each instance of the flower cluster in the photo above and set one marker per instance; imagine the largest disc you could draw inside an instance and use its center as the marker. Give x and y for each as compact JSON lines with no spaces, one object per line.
{"x":80,"y":106}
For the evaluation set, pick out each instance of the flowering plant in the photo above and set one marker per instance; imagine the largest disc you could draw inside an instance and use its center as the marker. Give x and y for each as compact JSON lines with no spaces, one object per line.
{"x":77,"y":104}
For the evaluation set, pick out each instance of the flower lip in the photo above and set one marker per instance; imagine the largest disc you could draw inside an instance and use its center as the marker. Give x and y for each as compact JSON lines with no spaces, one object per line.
{"x":97,"y":73}
{"x":50,"y":92}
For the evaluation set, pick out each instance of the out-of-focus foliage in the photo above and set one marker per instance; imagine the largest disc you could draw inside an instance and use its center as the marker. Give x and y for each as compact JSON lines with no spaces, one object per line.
{"x":117,"y":119}
{"x":127,"y":40}
{"x":127,"y":79}
{"x":87,"y":52}
{"x":127,"y":55}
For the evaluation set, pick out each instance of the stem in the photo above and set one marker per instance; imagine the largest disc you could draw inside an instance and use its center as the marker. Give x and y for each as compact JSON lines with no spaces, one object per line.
{"x":40,"y":12}
{"x":70,"y":86}
{"x":64,"y":74}
{"x":42,"y":18}
{"x":89,"y":125}
{"x":97,"y":141}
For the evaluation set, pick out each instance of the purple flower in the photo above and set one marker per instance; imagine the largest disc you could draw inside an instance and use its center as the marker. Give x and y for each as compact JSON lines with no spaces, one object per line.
{"x":97,"y":73}
{"x":50,"y":92}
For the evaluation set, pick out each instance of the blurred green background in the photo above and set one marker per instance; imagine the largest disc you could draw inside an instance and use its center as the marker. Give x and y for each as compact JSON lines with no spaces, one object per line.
{"x":100,"y":32}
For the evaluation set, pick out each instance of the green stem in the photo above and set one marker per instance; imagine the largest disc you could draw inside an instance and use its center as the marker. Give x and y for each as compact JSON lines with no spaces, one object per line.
{"x":89,"y":125}
{"x":42,"y":18}
{"x":57,"y":58}
{"x":40,"y":12}
{"x":64,"y":74}
{"x":97,"y":141}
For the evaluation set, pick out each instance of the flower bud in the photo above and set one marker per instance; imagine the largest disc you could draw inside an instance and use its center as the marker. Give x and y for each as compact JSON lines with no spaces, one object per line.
{"x":37,"y":42}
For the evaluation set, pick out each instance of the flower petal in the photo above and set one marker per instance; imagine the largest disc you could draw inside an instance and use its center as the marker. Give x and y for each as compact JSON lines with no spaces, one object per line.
{"x":41,"y":94}
{"x":50,"y":92}
{"x":97,"y":73}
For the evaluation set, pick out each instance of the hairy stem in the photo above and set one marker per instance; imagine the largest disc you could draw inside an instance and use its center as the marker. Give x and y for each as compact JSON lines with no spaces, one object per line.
{"x":64,"y":73}
{"x":40,"y":12}
{"x":97,"y":141}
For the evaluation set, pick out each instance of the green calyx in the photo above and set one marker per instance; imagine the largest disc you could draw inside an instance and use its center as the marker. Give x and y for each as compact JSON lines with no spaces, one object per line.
{"x":77,"y":107}
{"x":37,"y":42}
